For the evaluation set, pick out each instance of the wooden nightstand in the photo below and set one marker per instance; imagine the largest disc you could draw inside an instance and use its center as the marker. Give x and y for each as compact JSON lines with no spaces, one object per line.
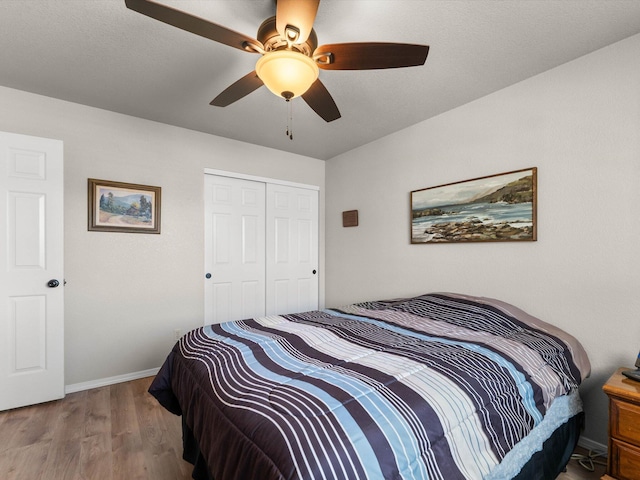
{"x":624,"y":427}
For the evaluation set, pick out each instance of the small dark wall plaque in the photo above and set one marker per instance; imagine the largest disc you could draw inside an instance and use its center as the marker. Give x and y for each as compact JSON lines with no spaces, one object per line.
{"x":350,"y":218}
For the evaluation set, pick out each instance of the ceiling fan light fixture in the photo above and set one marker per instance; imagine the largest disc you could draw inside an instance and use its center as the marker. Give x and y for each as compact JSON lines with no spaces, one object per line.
{"x":287,"y":73}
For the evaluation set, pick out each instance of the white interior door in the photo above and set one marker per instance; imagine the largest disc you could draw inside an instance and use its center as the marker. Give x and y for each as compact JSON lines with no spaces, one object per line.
{"x":234,"y":249}
{"x":31,"y":271}
{"x":292,"y":249}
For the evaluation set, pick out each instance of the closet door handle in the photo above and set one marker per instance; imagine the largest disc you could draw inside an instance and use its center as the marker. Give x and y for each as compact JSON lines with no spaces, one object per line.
{"x":208,"y":275}
{"x":314,"y":272}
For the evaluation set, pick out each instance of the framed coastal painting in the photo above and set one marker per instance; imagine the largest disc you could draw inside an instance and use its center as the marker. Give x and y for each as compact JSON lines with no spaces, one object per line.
{"x":123,"y":207}
{"x":496,"y":208}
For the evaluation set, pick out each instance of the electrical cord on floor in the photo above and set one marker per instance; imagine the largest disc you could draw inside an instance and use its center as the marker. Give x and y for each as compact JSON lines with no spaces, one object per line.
{"x":588,"y":461}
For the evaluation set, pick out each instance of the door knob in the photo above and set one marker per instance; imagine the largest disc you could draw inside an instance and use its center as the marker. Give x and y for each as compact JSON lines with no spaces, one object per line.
{"x":314,"y":272}
{"x":53,"y":283}
{"x":208,"y":275}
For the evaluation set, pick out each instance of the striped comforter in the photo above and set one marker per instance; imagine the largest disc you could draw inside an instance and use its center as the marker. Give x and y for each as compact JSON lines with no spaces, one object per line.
{"x":439,"y":386}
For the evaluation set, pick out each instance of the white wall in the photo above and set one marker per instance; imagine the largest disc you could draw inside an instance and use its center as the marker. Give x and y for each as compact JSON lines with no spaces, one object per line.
{"x":126,"y":293}
{"x":580,"y":125}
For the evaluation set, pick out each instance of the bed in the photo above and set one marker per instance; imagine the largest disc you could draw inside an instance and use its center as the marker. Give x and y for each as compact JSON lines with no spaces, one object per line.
{"x":438,"y":386}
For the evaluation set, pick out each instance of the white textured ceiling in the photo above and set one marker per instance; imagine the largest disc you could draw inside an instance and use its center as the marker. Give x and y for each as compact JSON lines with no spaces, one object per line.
{"x":99,"y":53}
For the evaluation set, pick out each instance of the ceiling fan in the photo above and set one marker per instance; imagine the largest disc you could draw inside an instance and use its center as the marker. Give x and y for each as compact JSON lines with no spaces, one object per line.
{"x":290,"y":57}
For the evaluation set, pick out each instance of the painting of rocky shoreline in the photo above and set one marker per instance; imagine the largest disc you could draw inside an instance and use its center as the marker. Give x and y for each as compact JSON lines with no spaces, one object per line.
{"x":488,"y":209}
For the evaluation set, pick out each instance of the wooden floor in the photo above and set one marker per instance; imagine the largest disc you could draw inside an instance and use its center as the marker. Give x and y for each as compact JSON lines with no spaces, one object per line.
{"x":110,"y":433}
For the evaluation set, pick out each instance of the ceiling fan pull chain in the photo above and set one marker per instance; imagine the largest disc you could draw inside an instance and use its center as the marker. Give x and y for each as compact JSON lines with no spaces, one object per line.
{"x":287,"y":104}
{"x":289,"y":132}
{"x":291,"y":120}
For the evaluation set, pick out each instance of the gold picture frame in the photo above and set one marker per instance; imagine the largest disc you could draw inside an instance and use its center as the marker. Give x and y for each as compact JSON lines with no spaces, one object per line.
{"x":123,"y":207}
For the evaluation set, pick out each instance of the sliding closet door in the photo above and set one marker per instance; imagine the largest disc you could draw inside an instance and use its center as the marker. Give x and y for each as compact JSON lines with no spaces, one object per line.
{"x":292,"y":249}
{"x":234,"y":249}
{"x":261,"y":248}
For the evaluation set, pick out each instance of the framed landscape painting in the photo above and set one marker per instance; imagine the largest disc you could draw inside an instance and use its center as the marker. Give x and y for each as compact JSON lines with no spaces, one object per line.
{"x":496,"y":208}
{"x":123,"y":207}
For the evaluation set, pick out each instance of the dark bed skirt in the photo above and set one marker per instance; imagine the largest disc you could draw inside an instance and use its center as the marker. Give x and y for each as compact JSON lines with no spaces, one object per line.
{"x":191,"y":453}
{"x":556,"y":452}
{"x":546,"y":464}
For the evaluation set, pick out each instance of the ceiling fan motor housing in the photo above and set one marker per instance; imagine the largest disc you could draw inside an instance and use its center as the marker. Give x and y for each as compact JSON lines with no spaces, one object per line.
{"x":271,"y":39}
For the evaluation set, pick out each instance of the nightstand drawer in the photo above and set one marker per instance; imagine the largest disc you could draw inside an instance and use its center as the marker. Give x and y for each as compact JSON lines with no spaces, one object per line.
{"x":625,"y":421}
{"x":625,"y":461}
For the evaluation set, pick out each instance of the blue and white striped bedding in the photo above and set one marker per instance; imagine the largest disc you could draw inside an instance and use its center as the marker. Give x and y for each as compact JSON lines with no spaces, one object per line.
{"x":439,"y":386}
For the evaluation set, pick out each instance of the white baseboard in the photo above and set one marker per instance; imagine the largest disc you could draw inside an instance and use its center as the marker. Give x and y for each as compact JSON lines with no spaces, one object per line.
{"x":589,"y":444}
{"x":103,"y":382}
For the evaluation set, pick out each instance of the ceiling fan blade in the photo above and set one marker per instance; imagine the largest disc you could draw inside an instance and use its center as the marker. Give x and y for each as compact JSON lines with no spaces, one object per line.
{"x":321,"y":101}
{"x":193,"y":24}
{"x":367,"y":56}
{"x":237,"y":90}
{"x":299,"y":14}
